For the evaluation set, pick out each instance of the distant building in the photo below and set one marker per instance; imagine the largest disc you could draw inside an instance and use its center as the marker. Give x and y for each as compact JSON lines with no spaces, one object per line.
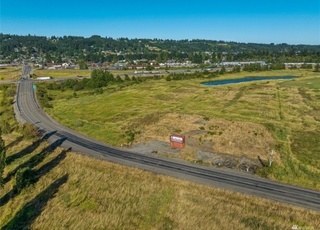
{"x":242,"y":63}
{"x":44,"y":78}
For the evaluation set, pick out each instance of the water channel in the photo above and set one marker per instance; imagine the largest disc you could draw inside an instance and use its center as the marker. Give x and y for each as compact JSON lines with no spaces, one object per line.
{"x":246,"y":79}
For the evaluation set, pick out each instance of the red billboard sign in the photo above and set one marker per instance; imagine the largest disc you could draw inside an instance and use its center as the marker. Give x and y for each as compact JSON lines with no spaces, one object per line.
{"x":177,"y":141}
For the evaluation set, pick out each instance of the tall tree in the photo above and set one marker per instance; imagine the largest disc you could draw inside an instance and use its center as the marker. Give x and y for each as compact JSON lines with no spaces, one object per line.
{"x":223,"y":70}
{"x":2,"y":158}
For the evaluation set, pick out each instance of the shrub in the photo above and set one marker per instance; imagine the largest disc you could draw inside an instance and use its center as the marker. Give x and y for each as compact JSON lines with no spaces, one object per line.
{"x":130,"y":136}
{"x":24,"y":177}
{"x":5,"y":126}
{"x":29,"y":131}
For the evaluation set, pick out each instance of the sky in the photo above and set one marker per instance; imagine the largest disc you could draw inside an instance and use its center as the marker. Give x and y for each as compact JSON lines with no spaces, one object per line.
{"x":274,"y":21}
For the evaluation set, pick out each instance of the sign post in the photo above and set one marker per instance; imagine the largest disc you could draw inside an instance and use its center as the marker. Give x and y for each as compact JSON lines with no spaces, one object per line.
{"x":177,"y":141}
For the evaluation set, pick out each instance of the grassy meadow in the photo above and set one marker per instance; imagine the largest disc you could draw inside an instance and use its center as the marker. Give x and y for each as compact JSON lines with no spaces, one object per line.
{"x":230,"y":119}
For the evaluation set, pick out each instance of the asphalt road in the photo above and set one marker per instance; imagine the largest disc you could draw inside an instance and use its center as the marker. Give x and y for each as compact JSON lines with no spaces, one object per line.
{"x":221,"y":178}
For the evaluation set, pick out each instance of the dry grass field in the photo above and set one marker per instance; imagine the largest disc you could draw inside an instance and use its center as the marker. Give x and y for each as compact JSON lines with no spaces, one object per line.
{"x":61,"y":73}
{"x":77,"y":192}
{"x":10,"y":73}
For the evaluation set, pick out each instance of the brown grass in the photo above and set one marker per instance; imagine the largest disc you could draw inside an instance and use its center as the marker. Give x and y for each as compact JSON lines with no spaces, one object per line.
{"x":102,"y":195}
{"x":213,"y":135}
{"x":62,"y":73}
{"x":10,"y":73}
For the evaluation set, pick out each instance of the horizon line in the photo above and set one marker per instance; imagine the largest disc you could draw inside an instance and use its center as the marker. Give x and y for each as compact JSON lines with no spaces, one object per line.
{"x":164,"y":39}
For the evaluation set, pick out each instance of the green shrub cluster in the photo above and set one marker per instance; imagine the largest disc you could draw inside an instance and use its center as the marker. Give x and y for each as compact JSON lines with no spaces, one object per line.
{"x":184,"y":76}
{"x":257,"y":67}
{"x":24,"y":177}
{"x":43,"y":97}
{"x":98,"y":80}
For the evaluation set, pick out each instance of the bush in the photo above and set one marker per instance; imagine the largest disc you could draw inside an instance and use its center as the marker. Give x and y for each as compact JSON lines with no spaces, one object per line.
{"x":130,"y":136}
{"x":5,"y":126}
{"x":24,"y":177}
{"x":119,"y":79}
{"x":98,"y":91}
{"x":127,"y":78}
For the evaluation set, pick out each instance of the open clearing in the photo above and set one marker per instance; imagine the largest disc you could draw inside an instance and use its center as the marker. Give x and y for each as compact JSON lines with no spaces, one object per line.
{"x":227,"y":126}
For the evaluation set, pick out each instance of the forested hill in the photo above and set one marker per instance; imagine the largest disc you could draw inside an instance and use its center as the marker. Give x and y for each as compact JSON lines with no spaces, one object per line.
{"x":100,"y":49}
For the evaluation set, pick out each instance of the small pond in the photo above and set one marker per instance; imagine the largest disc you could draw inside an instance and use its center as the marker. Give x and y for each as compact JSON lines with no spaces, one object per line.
{"x":246,"y":79}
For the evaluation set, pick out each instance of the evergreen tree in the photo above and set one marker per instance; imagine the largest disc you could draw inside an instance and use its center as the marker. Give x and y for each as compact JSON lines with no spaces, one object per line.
{"x":24,"y":177}
{"x":2,"y":158}
{"x":223,"y":70}
{"x":236,"y":69}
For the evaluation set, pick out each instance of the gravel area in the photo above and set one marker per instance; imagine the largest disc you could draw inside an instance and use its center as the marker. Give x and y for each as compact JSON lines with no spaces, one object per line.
{"x":201,"y":156}
{"x":155,"y":147}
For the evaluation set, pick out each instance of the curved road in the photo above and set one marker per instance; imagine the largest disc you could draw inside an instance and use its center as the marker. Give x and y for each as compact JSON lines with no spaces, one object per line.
{"x":227,"y":179}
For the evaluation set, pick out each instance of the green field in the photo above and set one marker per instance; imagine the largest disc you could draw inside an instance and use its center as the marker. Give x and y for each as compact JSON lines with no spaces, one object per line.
{"x":312,"y":83}
{"x":249,"y":116}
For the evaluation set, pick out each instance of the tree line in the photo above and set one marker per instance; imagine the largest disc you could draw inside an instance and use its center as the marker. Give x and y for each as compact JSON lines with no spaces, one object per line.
{"x":106,"y":49}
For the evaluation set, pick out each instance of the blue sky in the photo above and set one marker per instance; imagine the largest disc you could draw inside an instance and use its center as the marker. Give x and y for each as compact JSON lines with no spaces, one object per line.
{"x":275,"y":21}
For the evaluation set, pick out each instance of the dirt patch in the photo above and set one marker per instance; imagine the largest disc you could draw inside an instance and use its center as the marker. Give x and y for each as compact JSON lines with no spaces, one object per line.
{"x":155,"y":147}
{"x":210,"y":141}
